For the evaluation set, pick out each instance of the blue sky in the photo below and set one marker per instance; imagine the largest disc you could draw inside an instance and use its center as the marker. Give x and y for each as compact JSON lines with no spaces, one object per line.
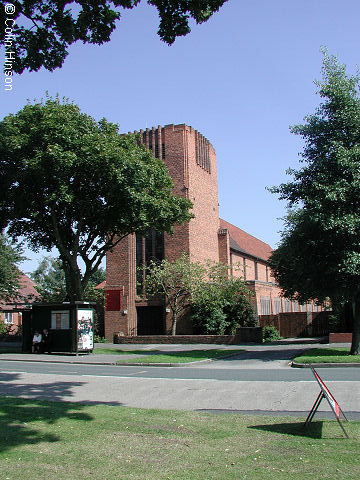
{"x":240,"y":79}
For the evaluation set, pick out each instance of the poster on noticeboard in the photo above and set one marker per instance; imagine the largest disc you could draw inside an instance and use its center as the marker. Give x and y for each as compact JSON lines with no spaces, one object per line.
{"x":85,"y":329}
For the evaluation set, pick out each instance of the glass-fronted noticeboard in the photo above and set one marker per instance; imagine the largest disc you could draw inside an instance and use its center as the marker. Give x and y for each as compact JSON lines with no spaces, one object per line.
{"x":85,"y":330}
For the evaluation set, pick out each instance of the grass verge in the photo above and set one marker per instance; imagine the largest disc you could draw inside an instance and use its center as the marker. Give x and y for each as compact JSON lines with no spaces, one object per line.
{"x":158,"y":356}
{"x":327,"y":355}
{"x":52,"y":440}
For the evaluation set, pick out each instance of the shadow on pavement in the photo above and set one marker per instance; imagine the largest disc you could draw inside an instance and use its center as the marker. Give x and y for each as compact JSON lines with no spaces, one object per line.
{"x":267,"y":355}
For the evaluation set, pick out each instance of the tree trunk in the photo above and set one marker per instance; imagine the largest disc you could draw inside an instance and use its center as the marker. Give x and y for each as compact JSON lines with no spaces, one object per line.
{"x":174,"y":321}
{"x":355,"y":350}
{"x":74,"y":286}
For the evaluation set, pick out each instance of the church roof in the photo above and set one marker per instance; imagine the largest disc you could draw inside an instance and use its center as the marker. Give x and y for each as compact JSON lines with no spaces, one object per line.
{"x":246,"y":243}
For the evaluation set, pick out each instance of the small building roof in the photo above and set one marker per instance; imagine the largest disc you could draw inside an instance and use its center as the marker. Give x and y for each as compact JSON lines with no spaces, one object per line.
{"x":101,"y":285}
{"x":27,"y":293}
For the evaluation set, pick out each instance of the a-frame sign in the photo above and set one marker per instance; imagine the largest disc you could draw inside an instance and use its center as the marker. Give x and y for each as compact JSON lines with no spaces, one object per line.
{"x":325,"y":393}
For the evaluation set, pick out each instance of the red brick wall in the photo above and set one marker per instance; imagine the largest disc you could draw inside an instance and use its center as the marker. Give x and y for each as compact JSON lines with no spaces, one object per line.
{"x":121,"y":274}
{"x":340,"y":337}
{"x":176,"y":162}
{"x":224,"y":246}
{"x":203,"y":192}
{"x":297,"y":324}
{"x":252,"y":335}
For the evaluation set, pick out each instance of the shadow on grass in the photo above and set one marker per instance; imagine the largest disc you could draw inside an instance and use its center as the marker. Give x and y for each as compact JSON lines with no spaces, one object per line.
{"x":21,"y":418}
{"x":296,"y":429}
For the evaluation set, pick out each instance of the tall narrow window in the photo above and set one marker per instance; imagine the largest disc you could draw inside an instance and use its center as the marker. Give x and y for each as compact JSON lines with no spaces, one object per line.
{"x":8,"y":318}
{"x":265,"y":305}
{"x":150,"y":247}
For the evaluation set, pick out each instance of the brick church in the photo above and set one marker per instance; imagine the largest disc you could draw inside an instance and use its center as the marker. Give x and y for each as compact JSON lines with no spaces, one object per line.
{"x":191,"y":162}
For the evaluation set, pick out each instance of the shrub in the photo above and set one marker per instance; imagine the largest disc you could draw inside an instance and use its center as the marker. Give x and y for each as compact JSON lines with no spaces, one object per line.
{"x":335,"y":323}
{"x":208,"y":319}
{"x":271,"y":334}
{"x":222,"y":304}
{"x":98,"y":339}
{"x":2,"y":328}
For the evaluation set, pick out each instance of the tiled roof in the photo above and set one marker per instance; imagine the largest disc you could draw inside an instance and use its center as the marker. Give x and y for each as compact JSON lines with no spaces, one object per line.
{"x":246,"y":243}
{"x":27,"y":292}
{"x":27,"y":287}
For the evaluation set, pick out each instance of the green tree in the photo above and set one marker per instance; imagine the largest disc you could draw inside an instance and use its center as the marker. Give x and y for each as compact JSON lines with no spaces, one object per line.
{"x":175,"y":281}
{"x":40,"y":32}
{"x":10,"y":256}
{"x":221,"y":303}
{"x":49,"y":278}
{"x":78,"y":185}
{"x":319,"y":254}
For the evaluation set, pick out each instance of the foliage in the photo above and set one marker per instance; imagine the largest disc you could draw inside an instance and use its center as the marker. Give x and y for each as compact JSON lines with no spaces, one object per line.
{"x":10,"y":256}
{"x":78,"y":185}
{"x":3,"y":327}
{"x":208,"y":319}
{"x":49,"y":278}
{"x":334,"y":323}
{"x":271,"y":334}
{"x":219,"y":303}
{"x":319,"y":255}
{"x":41,"y":32}
{"x":98,"y":339}
{"x":176,"y":281}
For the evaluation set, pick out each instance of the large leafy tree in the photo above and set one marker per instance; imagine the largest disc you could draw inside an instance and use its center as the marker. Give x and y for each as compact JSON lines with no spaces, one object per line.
{"x":39,"y":32}
{"x":319,"y":255}
{"x":78,"y":185}
{"x":49,"y":278}
{"x":10,"y":256}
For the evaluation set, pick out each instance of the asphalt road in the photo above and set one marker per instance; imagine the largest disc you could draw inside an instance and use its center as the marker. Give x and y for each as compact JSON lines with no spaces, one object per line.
{"x":209,"y":371}
{"x":218,"y":390}
{"x":256,"y":381}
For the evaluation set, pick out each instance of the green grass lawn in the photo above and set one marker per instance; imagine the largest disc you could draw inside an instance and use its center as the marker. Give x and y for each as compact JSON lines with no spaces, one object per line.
{"x":46,"y":440}
{"x":327,"y":355}
{"x":157,"y":356}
